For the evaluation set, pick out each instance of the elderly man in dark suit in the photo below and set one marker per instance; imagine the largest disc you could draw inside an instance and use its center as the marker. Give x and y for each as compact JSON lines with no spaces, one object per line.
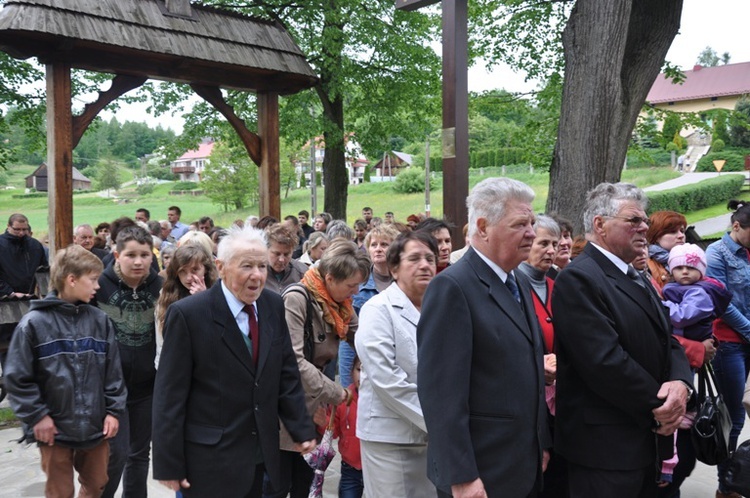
{"x":480,"y":367}
{"x":622,"y":380}
{"x":227,"y":374}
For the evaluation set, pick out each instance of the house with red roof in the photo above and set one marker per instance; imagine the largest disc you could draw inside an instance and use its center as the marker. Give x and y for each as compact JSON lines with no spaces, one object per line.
{"x":189,"y":166}
{"x":704,"y":88}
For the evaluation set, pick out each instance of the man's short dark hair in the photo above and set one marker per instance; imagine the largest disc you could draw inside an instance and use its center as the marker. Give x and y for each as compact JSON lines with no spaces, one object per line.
{"x":304,"y":213}
{"x":366,"y":209}
{"x":101,"y":226}
{"x":120,"y":224}
{"x":144,"y":211}
{"x":135,"y":233}
{"x":292,"y":218}
{"x":17,"y":217}
{"x":389,"y":212}
{"x":206,"y":219}
{"x":175,"y":209}
{"x":432,"y":225}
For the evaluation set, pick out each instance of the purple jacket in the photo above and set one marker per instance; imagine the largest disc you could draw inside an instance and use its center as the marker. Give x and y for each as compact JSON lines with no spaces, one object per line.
{"x":693,"y":308}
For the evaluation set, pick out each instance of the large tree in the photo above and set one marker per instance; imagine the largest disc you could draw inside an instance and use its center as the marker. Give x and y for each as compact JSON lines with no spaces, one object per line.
{"x":613,"y":53}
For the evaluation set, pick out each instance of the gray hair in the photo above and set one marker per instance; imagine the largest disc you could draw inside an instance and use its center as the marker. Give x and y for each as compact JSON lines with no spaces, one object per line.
{"x":165,"y":224}
{"x":315,"y":239}
{"x":237,"y":236}
{"x":489,"y":197}
{"x":339,"y":229}
{"x":606,"y":199}
{"x":84,"y":225}
{"x":544,"y":222}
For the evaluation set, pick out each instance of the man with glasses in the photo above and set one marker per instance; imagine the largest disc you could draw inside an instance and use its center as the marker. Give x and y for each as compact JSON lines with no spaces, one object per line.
{"x":622,"y":379}
{"x":20,"y":256}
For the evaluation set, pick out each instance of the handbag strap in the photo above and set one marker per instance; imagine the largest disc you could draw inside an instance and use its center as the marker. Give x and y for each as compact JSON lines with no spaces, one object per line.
{"x":707,"y":382}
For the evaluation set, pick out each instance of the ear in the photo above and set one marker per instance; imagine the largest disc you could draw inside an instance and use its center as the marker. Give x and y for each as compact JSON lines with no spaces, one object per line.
{"x":598,"y":223}
{"x":482,"y":227}
{"x":70,"y":280}
{"x":220,"y":267}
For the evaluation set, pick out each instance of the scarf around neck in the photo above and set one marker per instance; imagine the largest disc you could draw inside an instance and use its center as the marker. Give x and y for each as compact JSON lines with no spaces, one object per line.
{"x":338,"y":315}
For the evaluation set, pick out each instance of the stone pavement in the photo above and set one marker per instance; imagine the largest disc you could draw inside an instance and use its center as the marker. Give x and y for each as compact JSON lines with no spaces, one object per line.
{"x":21,"y":476}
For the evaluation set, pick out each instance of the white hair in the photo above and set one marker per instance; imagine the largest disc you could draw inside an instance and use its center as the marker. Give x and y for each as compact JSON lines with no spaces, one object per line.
{"x":489,"y":197}
{"x":165,"y":224}
{"x":236,"y":237}
{"x":544,"y":222}
{"x":606,"y":199}
{"x":84,"y":225}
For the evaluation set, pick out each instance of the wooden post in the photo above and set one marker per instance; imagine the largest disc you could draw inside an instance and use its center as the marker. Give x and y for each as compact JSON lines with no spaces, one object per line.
{"x":59,"y":156}
{"x":455,"y":116}
{"x":268,"y":131}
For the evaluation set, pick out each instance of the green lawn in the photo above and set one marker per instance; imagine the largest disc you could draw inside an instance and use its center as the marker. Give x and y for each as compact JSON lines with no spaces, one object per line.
{"x":92,"y":208}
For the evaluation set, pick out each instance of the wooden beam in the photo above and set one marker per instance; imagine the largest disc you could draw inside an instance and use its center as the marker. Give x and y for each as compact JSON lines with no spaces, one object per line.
{"x":268,"y":129}
{"x":455,"y":116}
{"x":121,"y":84}
{"x":212,"y":95}
{"x":59,"y":156}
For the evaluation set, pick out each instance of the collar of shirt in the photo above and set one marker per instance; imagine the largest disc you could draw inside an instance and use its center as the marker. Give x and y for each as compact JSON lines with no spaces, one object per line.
{"x":500,"y":272}
{"x":622,"y":265}
{"x":235,"y":306}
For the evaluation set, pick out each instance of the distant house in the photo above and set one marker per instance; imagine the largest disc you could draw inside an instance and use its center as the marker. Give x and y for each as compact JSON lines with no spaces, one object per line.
{"x":38,"y":179}
{"x":392,"y":163}
{"x":189,"y":166}
{"x":704,"y":88}
{"x":354,"y":160}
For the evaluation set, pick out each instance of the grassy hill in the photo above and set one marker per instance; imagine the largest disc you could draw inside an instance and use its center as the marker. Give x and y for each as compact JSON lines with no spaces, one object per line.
{"x":93,"y":208}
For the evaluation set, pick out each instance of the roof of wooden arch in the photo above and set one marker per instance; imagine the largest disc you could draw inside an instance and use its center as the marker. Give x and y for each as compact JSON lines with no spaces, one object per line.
{"x":170,"y":40}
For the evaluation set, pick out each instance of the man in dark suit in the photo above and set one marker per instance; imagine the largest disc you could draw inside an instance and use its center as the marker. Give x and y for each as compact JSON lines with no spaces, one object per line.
{"x":227,"y":374}
{"x":622,"y":380}
{"x":480,"y":370}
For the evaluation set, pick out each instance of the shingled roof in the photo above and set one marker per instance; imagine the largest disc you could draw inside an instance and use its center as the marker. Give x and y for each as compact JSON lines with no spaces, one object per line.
{"x":207,"y":46}
{"x":703,"y":83}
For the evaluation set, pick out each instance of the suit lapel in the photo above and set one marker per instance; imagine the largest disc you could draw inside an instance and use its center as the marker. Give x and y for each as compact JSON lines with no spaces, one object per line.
{"x":266,"y":319}
{"x":230,"y":332}
{"x":629,"y":288}
{"x":500,"y":293}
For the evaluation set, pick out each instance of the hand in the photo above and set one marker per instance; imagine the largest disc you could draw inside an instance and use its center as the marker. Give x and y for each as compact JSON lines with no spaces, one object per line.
{"x":197,"y":284}
{"x":306,"y":447}
{"x":20,"y":294}
{"x":473,"y":489}
{"x":45,"y":431}
{"x":111,"y":426}
{"x":176,"y":485}
{"x":668,"y":415}
{"x":550,"y":368}
{"x":347,"y":396}
{"x":320,"y":417}
{"x":545,"y":460}
{"x":710,"y":346}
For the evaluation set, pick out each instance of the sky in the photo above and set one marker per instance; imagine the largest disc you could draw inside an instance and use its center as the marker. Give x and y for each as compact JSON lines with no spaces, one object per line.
{"x":719,"y":24}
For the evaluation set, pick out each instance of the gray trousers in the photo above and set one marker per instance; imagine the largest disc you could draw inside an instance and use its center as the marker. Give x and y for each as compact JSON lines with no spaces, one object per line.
{"x":392,"y":470}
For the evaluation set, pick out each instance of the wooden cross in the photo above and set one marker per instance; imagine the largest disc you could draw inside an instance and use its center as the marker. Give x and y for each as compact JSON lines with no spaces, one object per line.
{"x":455,"y":110}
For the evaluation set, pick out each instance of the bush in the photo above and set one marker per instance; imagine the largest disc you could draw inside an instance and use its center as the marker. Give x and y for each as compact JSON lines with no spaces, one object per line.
{"x":717,"y":145}
{"x":671,"y":146}
{"x":162,"y":174}
{"x":647,"y":157}
{"x":411,"y":181}
{"x":734,"y":157}
{"x":698,"y":195}
{"x":185,"y":186}
{"x":145,"y":188}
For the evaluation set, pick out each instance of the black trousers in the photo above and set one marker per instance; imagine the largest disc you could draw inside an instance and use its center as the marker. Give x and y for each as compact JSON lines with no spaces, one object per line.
{"x":586,"y":482}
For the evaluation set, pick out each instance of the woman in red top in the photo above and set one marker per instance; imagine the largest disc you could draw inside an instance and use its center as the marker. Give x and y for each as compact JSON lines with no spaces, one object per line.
{"x":541,"y":257}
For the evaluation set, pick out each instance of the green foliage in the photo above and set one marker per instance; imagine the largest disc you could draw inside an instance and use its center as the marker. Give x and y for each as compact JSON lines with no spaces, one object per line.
{"x":303,"y":179}
{"x":145,"y":188}
{"x":679,"y":141}
{"x":717,"y":145}
{"x":3,"y":178}
{"x":185,"y":186}
{"x":161,"y":173}
{"x":647,"y":157}
{"x":411,"y":180}
{"x":734,"y":157}
{"x":720,"y":129}
{"x":708,"y":58}
{"x":672,"y":126}
{"x":739,"y":124}
{"x":367,"y":174}
{"x":671,"y":146}
{"x":229,"y":179}
{"x":109,"y":176}
{"x":697,"y":196}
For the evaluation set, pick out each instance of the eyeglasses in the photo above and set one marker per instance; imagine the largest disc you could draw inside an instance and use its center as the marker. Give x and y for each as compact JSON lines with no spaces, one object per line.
{"x":635,"y":221}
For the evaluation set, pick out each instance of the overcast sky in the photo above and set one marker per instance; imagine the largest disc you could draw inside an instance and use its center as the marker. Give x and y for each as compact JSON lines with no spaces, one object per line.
{"x":719,"y":24}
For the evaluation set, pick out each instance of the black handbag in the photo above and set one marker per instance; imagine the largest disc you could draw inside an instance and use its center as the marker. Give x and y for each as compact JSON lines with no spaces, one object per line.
{"x":737,"y":477}
{"x":710,"y":433}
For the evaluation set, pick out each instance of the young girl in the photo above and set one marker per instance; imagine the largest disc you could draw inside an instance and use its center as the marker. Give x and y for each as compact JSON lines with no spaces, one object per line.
{"x":191,"y":270}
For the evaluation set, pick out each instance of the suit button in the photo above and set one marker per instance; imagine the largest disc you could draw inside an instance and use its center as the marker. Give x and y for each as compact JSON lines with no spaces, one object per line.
{"x":254,"y":433}
{"x":257,"y":408}
{"x":256,"y":385}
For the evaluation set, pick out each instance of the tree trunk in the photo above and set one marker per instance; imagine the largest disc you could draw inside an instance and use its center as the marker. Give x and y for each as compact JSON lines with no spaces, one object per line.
{"x":614,"y":51}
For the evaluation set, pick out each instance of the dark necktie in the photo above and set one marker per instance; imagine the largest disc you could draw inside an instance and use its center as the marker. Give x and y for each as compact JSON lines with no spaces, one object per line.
{"x":512,"y":285}
{"x":636,"y":277}
{"x":254,"y":335}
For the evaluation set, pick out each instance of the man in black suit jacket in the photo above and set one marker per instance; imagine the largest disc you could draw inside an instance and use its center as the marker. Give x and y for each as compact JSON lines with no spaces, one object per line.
{"x":216,"y":407}
{"x":621,"y":376}
{"x":480,"y":370}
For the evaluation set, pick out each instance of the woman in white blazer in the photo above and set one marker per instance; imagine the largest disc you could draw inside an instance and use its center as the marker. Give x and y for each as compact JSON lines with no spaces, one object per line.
{"x":390,"y":424}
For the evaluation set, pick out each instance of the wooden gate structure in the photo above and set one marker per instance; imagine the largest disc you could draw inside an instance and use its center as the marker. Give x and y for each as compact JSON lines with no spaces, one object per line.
{"x":136,"y":40}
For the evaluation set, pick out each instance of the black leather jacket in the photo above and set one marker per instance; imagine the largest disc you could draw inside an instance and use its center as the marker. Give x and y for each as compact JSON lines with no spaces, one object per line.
{"x":64,"y":362}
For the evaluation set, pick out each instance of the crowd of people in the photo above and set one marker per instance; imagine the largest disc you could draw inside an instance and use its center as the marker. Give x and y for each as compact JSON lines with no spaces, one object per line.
{"x":523,"y":364}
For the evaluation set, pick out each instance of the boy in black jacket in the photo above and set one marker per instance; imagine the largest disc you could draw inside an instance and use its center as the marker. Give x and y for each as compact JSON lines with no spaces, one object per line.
{"x":64,"y":378}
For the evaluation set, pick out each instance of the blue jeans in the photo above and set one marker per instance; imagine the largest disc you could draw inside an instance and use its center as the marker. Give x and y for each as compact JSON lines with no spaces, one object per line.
{"x":351,"y":484}
{"x":129,"y":451}
{"x":731,"y":366}
{"x":346,"y":360}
